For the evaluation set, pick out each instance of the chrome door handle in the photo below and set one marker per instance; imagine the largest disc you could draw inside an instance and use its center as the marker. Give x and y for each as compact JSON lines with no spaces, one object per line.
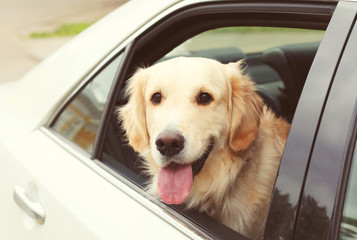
{"x":33,"y":209}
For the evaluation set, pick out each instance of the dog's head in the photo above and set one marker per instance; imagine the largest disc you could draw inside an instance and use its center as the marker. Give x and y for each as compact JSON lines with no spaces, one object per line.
{"x":184,"y":110}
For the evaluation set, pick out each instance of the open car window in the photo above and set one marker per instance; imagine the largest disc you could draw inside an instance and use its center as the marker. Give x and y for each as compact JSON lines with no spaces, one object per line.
{"x":279,"y":69}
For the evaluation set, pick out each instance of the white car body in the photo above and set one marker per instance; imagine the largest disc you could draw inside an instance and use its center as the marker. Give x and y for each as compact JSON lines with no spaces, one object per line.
{"x":79,"y":198}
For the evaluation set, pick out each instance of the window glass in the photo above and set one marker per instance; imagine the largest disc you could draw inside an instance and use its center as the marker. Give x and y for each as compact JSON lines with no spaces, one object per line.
{"x":79,"y":121}
{"x":349,"y":217}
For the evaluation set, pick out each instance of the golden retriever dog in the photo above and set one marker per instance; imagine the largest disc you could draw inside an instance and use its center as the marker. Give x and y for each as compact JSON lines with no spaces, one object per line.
{"x":206,"y":138}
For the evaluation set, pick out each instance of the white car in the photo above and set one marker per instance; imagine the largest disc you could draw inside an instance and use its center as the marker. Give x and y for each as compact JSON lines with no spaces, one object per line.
{"x":66,"y":172}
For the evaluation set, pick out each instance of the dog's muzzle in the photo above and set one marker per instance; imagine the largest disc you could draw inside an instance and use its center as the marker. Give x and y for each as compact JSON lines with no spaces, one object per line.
{"x":175,"y":179}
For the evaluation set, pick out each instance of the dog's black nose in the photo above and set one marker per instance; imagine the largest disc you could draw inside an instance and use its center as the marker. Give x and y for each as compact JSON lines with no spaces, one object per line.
{"x":169,"y":144}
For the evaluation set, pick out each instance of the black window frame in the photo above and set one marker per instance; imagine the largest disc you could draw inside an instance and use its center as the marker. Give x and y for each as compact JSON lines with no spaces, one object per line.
{"x":301,"y":145}
{"x":210,"y":15}
{"x":340,"y":199}
{"x":343,"y":128}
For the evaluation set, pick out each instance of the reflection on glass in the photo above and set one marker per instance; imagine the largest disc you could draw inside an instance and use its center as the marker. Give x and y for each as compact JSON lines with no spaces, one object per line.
{"x":349,"y":219}
{"x":281,"y":213}
{"x":313,"y":219}
{"x":80,"y":120}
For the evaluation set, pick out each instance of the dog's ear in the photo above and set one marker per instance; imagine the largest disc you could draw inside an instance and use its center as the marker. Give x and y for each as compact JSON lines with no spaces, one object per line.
{"x":132,"y":115}
{"x":245,"y":107}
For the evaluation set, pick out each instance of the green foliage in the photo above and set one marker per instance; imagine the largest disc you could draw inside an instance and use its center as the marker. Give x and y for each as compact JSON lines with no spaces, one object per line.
{"x":69,"y":29}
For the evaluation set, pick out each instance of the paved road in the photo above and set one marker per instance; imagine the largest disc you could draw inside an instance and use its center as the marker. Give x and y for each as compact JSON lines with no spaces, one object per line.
{"x":18,"y":18}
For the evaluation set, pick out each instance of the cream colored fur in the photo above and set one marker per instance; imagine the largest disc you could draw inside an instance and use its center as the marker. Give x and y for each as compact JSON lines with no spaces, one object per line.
{"x":236,"y":182}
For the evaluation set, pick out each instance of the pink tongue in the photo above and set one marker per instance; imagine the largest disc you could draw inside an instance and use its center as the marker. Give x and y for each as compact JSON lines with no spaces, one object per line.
{"x":175,"y":183}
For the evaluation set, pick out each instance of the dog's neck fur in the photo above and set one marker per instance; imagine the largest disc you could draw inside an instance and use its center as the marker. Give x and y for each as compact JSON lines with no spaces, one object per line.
{"x":250,"y":176}
{"x":222,"y":200}
{"x":219,"y":191}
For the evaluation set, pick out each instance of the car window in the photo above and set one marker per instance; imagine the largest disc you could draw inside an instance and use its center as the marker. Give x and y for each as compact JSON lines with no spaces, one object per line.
{"x":349,"y":218}
{"x":79,"y":120}
{"x":278,"y":59}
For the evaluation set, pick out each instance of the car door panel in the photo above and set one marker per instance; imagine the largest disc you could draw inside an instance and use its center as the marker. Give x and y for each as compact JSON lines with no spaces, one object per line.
{"x":78,"y":202}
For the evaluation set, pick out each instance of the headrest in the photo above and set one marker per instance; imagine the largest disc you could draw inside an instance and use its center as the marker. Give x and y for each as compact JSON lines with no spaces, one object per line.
{"x":292,"y":62}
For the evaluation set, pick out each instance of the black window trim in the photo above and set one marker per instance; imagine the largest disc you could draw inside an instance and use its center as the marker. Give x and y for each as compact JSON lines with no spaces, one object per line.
{"x":345,"y":176}
{"x":348,"y":12}
{"x":110,"y":104}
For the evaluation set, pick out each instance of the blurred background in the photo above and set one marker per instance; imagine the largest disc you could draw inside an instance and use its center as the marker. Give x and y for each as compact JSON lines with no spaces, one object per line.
{"x":33,"y":29}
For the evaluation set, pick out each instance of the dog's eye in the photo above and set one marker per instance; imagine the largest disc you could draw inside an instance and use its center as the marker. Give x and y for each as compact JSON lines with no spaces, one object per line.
{"x":204,"y":98}
{"x":156,"y":98}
